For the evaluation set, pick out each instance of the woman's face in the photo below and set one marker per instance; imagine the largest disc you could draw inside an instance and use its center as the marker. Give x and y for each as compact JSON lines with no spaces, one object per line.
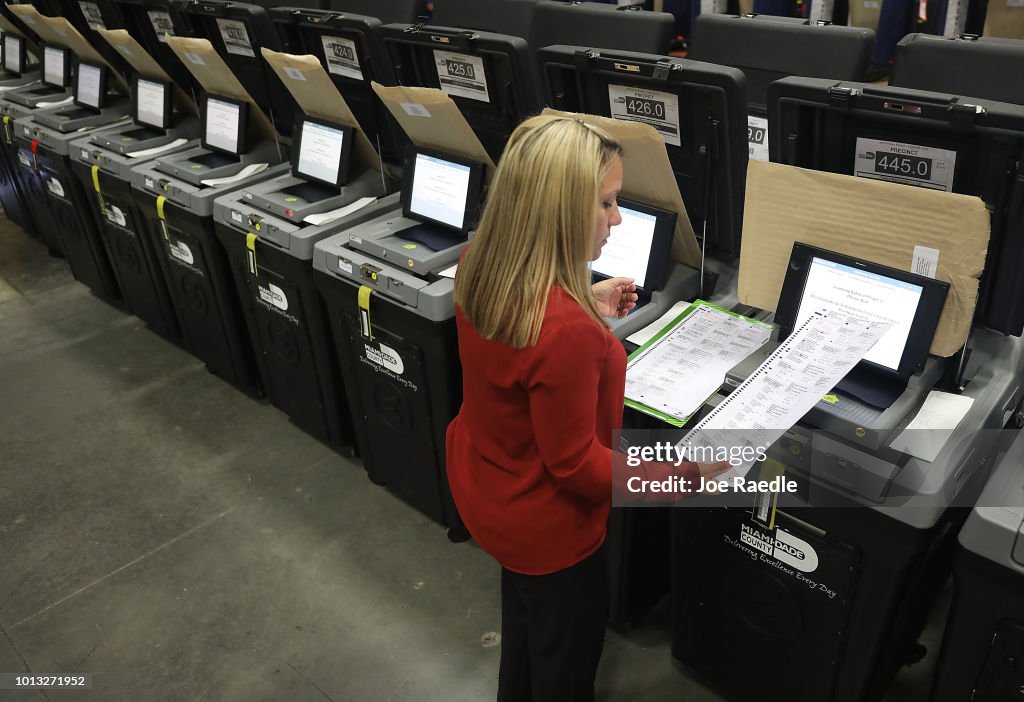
{"x":607,"y":208}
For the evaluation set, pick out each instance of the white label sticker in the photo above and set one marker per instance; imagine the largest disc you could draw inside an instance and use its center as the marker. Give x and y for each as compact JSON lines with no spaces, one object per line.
{"x":247,"y":195}
{"x":274,"y":295}
{"x":294,"y":73}
{"x":660,"y":110}
{"x":1015,"y":3}
{"x":125,"y":50}
{"x":415,"y":109}
{"x":27,"y":131}
{"x":386,"y":357}
{"x":149,"y":182}
{"x":181,"y":252}
{"x":872,"y":4}
{"x":757,"y":137}
{"x":23,"y":157}
{"x":782,"y":546}
{"x":461,"y":75}
{"x":236,"y":38}
{"x":55,"y":187}
{"x":345,"y":266}
{"x":926,"y":261}
{"x":195,"y":58}
{"x":93,"y":16}
{"x":923,"y":166}
{"x":28,"y":20}
{"x":116,"y":215}
{"x":342,"y":59}
{"x":85,"y":154}
{"x":162,"y":24}
{"x":236,"y":216}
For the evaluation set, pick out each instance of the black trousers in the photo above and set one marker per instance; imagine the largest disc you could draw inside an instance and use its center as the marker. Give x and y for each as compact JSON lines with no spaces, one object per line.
{"x":552,"y":632}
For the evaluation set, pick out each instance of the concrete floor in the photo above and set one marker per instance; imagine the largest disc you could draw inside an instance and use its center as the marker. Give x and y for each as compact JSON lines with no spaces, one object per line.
{"x":183,"y":542}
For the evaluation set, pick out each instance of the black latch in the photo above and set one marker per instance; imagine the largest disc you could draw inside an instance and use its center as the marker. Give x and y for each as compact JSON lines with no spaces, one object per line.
{"x":964,"y":114}
{"x":584,"y":57}
{"x":662,"y":69}
{"x":968,"y":37}
{"x":840,"y":96}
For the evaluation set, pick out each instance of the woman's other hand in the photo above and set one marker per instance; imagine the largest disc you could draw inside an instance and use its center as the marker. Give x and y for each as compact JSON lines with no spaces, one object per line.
{"x":615,"y":297}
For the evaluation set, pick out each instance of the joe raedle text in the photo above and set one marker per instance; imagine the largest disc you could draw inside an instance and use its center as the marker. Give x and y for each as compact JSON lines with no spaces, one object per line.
{"x":688,"y":486}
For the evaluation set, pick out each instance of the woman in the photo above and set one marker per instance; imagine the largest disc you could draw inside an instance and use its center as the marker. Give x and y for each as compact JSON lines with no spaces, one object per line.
{"x":529,"y":458}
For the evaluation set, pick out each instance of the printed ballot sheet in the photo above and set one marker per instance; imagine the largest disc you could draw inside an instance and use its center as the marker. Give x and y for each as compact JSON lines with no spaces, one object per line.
{"x":783,"y":389}
{"x":674,"y":373}
{"x":934,"y":423}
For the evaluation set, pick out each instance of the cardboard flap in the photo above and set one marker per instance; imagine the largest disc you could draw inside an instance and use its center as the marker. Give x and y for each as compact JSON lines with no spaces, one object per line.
{"x":210,"y":71}
{"x":432,"y":120}
{"x":865,"y":13}
{"x":141,"y":60}
{"x":58,"y":31}
{"x":868,"y":219}
{"x":8,"y":28}
{"x":648,"y":177}
{"x":317,"y":96}
{"x":1004,"y":20}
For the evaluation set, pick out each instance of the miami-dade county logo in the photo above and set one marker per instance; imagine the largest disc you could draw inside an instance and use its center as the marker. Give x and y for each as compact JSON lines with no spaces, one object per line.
{"x":783,"y":546}
{"x":385,"y":357}
{"x":274,"y":295}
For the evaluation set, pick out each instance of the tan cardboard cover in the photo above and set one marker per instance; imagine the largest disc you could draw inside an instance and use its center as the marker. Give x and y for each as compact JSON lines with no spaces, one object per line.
{"x":317,"y":96}
{"x":1001,"y":20}
{"x":203,"y":62}
{"x":870,"y":219}
{"x":865,"y":13}
{"x":141,"y":60}
{"x":432,"y":120}
{"x":648,"y":177}
{"x":57,"y":30}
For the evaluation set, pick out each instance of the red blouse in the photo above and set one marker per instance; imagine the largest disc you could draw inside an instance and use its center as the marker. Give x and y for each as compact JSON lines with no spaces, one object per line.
{"x":528,"y":456}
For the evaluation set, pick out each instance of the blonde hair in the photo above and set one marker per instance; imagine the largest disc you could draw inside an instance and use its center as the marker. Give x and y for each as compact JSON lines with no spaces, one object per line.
{"x":536,"y":228}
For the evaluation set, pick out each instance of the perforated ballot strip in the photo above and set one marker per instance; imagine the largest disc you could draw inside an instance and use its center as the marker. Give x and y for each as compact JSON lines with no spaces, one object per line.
{"x":785,"y":387}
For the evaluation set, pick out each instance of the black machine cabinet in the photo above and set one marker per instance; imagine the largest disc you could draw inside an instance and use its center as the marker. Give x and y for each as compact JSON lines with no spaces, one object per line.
{"x":238,"y":31}
{"x":489,"y":76}
{"x":348,"y":47}
{"x":502,"y":16}
{"x":706,"y":141}
{"x":600,"y":26}
{"x":970,"y":65}
{"x":767,"y":48}
{"x":150,"y":22}
{"x":387,"y":11}
{"x":817,"y":124}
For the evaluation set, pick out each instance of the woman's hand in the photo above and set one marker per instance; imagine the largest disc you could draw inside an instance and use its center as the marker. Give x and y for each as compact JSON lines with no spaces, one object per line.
{"x":615,"y":297}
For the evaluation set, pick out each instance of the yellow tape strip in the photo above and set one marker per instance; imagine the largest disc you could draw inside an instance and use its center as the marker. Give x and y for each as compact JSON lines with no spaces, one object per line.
{"x":364,"y":310}
{"x":96,"y":178}
{"x":250,"y":243}
{"x":7,"y":128}
{"x":160,"y":206}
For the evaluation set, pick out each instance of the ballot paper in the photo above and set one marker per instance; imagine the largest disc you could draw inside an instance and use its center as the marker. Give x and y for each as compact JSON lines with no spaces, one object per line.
{"x":642,"y":336}
{"x":672,"y":375}
{"x":782,"y":390}
{"x":251,"y":169}
{"x":933,"y":424}
{"x":56,"y":103}
{"x":324,"y":217}
{"x":449,"y":272}
{"x":156,"y":150}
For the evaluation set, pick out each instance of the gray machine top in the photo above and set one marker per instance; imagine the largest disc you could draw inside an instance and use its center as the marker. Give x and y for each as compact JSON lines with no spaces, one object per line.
{"x":120,"y":148}
{"x":276,"y":210}
{"x":57,"y":128}
{"x":909,"y":489}
{"x":370,"y":254}
{"x":39,"y":95}
{"x":995,"y":528}
{"x":179,"y":176}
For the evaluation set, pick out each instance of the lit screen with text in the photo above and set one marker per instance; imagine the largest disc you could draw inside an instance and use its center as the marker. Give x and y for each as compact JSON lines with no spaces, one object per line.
{"x":439,"y":190}
{"x":222,"y":124}
{"x":628,"y":250}
{"x":834,"y":287}
{"x":88,"y":85}
{"x":12,"y":54}
{"x":53,"y":65}
{"x":320,"y":152}
{"x":150,"y":101}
